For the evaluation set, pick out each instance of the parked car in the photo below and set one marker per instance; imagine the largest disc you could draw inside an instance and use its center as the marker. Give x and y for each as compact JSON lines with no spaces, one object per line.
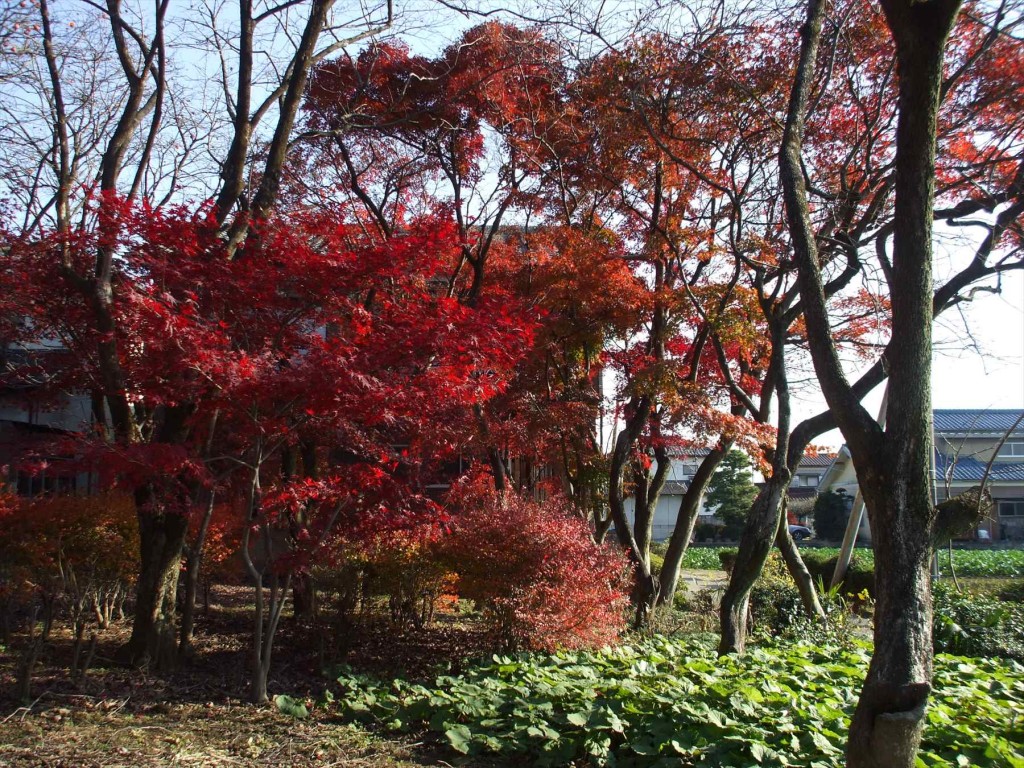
{"x":800,"y":532}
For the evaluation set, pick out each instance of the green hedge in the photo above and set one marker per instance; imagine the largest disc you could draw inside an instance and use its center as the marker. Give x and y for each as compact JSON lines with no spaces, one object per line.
{"x":860,"y":575}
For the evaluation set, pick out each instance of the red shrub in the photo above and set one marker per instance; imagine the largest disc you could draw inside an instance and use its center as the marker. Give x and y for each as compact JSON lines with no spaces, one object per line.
{"x":540,"y":578}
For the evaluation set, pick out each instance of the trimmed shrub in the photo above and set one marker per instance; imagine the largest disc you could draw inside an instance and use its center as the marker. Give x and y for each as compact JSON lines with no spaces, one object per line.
{"x":831,"y":510}
{"x":1012,"y":591}
{"x":860,"y":576}
{"x":657,"y":562}
{"x":727,"y":557}
{"x":976,"y":625}
{"x":406,"y":568}
{"x":774,"y":601}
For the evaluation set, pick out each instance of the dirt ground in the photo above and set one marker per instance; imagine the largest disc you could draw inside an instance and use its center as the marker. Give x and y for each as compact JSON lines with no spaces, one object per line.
{"x":697,"y":581}
{"x":197,"y":716}
{"x":107,"y":733}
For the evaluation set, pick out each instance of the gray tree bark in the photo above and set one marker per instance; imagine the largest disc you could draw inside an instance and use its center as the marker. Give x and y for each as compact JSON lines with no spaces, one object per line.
{"x":892,"y":466}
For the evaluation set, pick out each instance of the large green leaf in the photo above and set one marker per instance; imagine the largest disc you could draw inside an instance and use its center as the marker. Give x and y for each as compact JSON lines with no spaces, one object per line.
{"x":291,"y":707}
{"x":460,"y":738}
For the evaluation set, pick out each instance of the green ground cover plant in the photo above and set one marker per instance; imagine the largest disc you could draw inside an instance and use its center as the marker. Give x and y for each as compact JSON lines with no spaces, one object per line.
{"x":665,"y":701}
{"x":1004,"y":563}
{"x":702,"y":558}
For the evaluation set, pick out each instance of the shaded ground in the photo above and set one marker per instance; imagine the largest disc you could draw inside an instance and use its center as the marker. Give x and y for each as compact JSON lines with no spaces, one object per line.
{"x":198,"y":716}
{"x":104,"y":734}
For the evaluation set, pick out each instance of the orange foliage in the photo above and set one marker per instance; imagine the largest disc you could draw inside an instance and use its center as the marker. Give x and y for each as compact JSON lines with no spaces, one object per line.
{"x":53,"y":542}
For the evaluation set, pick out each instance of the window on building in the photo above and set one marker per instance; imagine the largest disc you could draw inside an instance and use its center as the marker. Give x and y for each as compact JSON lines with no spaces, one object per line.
{"x":47,"y":483}
{"x":1011,"y":508}
{"x":1012,"y":450}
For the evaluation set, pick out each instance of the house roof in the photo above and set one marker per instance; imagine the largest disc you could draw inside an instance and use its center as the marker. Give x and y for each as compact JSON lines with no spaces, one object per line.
{"x":673,"y":488}
{"x":982,"y":421}
{"x":24,"y":426}
{"x":818,"y":460}
{"x":801,"y":492}
{"x":688,"y":453}
{"x":969,"y":470}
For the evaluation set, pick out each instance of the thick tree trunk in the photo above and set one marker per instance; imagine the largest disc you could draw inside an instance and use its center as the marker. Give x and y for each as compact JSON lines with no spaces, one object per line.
{"x":303,"y":596}
{"x":893,"y":468}
{"x":889,"y":720}
{"x":162,"y":541}
{"x":162,"y":536}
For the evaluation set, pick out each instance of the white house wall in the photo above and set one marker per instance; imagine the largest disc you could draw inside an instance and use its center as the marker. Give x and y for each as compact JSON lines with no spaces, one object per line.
{"x":664,"y":514}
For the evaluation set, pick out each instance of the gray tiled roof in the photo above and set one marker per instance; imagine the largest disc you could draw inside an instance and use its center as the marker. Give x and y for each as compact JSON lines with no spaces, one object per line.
{"x":967,"y":469}
{"x":688,"y":453}
{"x":821,"y":460}
{"x":674,"y":489}
{"x":960,"y":421}
{"x":801,"y":492}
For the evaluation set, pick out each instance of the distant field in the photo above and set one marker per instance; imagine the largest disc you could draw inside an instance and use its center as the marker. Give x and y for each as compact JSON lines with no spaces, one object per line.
{"x":1000,"y":563}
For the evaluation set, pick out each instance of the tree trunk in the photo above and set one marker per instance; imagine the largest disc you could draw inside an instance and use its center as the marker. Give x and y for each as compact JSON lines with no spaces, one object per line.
{"x":766,"y":513}
{"x":645,"y":586}
{"x":755,"y":544}
{"x":266,"y":620}
{"x":303,"y":584}
{"x":303,"y":596}
{"x":162,"y":541}
{"x":161,"y":546}
{"x":797,"y":570}
{"x":889,"y":720}
{"x":601,"y":527}
{"x":648,"y":491}
{"x":258,"y":670}
{"x":193,"y":566}
{"x":686,"y":520}
{"x":893,"y":467}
